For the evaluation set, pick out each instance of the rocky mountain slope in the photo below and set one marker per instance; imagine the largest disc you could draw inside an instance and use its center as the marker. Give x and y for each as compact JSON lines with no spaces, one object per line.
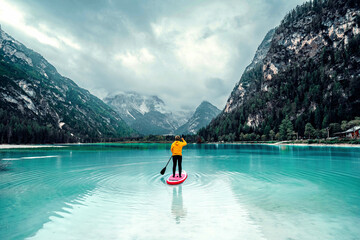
{"x":204,"y":113}
{"x":150,"y":115}
{"x":38,"y":105}
{"x":146,"y":114}
{"x":246,"y":79}
{"x":310,"y":74}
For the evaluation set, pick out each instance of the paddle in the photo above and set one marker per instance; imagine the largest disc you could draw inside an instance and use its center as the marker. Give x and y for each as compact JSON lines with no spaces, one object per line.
{"x":164,"y":169}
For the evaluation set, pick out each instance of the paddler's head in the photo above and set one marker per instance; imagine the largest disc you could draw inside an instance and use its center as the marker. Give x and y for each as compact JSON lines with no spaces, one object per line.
{"x":177,"y":138}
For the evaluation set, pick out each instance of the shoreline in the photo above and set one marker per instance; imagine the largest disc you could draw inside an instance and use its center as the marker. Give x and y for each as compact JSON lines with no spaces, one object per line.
{"x":14,"y":146}
{"x":60,"y":145}
{"x":295,"y":144}
{"x":316,"y":144}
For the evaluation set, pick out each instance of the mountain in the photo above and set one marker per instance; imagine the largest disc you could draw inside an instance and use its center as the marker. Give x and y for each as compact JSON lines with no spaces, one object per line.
{"x":146,"y":114}
{"x":38,"y":105}
{"x":204,"y":113}
{"x":310,"y":75}
{"x":236,"y":96}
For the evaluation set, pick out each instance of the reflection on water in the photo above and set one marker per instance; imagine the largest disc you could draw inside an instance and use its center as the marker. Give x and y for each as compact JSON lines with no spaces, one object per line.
{"x":177,"y":207}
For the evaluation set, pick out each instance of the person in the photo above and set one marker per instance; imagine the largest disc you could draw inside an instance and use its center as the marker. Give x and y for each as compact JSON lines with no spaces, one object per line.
{"x":176,"y":149}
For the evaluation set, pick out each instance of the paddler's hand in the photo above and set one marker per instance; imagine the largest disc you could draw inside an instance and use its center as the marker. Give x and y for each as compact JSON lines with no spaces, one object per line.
{"x":182,"y":139}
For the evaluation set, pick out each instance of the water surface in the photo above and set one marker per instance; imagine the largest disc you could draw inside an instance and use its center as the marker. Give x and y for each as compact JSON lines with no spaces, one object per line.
{"x":115,"y":191}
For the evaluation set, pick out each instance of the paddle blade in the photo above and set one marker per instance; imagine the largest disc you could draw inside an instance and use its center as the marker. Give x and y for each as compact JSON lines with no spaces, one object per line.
{"x":163,"y":171}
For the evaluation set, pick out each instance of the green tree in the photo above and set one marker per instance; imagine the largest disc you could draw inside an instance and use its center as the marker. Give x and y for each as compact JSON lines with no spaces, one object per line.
{"x":242,"y":137}
{"x":334,"y":128}
{"x":309,"y":130}
{"x":277,"y":136}
{"x":282,"y":131}
{"x":344,"y":125}
{"x":286,"y":129}
{"x":272,"y":134}
{"x":267,"y":129}
{"x":353,"y":123}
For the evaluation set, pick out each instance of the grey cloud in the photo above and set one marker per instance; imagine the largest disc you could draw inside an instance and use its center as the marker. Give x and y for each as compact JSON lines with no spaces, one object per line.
{"x":217,"y":87}
{"x":106,"y":28}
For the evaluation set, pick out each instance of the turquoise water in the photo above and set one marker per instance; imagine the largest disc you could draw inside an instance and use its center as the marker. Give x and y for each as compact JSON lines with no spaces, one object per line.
{"x":115,"y":191}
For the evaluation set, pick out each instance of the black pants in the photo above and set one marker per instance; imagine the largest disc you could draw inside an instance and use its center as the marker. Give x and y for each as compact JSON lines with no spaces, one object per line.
{"x":177,"y":159}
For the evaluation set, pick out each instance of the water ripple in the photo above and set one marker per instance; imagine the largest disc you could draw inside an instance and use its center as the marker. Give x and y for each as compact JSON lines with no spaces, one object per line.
{"x":115,"y":194}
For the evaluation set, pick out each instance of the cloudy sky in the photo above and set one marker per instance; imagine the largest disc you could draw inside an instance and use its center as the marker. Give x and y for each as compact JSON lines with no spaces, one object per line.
{"x":182,"y":51}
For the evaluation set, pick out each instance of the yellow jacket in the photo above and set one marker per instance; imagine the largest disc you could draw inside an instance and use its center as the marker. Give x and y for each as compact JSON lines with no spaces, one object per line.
{"x":176,"y":147}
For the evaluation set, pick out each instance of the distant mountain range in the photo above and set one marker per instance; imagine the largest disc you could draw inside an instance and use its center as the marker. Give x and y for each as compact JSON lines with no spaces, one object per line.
{"x":204,"y":113}
{"x":38,"y":105}
{"x":306,"y":72}
{"x":150,"y":115}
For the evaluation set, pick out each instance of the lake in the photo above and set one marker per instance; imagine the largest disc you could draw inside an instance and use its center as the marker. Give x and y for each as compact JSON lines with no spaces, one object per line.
{"x":115,"y":191}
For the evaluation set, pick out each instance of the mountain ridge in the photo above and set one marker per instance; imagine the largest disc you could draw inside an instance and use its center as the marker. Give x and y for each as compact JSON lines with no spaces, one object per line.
{"x":46,"y":104}
{"x":150,"y":115}
{"x":202,"y":116}
{"x":310,"y":74}
{"x":146,"y":114}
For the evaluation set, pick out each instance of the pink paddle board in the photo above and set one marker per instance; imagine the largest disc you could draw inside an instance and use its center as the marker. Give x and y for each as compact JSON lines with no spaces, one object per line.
{"x":176,"y":180}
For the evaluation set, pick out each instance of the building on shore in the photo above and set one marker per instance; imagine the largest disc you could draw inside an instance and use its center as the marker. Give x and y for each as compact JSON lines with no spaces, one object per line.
{"x":350,"y":133}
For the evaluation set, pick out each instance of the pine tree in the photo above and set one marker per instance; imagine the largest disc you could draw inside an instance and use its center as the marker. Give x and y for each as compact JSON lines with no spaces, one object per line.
{"x":309,"y":130}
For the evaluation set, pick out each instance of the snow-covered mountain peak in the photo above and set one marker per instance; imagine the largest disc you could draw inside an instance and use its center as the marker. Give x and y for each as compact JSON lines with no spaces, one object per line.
{"x":146,"y":114}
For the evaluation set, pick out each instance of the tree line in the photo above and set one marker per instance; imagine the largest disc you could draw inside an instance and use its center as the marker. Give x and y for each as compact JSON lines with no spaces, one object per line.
{"x":16,"y":129}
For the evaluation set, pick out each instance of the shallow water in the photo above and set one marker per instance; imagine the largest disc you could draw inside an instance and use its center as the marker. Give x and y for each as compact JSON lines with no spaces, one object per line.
{"x":115,"y":191}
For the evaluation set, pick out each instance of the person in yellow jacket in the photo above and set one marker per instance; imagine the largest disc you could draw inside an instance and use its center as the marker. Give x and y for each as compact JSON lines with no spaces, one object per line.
{"x":176,"y":149}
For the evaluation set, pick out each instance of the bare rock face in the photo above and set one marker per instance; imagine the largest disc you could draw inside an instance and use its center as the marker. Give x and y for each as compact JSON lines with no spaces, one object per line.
{"x":32,"y":89}
{"x":300,"y":40}
{"x":308,"y":68}
{"x":237,"y":96}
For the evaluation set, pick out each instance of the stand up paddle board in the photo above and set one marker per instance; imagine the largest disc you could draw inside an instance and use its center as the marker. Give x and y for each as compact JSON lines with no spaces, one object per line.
{"x":177,"y":180}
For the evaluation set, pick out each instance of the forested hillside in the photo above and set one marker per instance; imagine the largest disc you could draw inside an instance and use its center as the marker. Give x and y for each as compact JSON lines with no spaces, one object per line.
{"x":38,"y":105}
{"x":309,"y":79}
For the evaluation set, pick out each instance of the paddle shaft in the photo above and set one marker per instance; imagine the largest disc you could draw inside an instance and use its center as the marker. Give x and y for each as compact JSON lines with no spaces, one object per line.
{"x":168,"y":162}
{"x":164,"y":169}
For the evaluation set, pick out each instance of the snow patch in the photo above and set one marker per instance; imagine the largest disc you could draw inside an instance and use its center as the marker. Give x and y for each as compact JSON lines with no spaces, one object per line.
{"x":160,"y":109}
{"x":128,"y":113}
{"x":143,"y":108}
{"x":61,"y":124}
